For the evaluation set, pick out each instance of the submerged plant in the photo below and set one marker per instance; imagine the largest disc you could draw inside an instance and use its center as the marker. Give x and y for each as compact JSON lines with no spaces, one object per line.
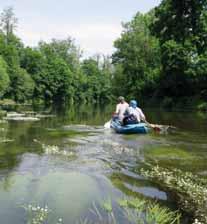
{"x":36,"y":214}
{"x":134,"y":210}
{"x":142,"y":211}
{"x":54,"y":150}
{"x":106,"y":208}
{"x":190,"y":190}
{"x":107,"y":205}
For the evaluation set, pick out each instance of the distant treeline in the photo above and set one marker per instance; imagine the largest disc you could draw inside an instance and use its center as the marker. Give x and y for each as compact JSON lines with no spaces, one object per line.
{"x":50,"y":72}
{"x":160,"y":55}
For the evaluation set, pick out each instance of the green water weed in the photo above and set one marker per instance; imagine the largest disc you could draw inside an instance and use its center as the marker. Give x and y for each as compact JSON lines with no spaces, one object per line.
{"x":190,"y":189}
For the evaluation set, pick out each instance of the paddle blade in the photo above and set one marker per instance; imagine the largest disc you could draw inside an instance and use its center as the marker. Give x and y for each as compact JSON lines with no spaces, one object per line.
{"x":162,"y":128}
{"x":107,"y":125}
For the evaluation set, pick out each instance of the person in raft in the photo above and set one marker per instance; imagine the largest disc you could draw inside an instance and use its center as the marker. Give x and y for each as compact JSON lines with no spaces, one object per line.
{"x":134,"y":114}
{"x":121,"y":107}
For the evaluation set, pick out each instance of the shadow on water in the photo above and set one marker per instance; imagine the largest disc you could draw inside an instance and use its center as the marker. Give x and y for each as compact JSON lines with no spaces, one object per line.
{"x":70,"y":161}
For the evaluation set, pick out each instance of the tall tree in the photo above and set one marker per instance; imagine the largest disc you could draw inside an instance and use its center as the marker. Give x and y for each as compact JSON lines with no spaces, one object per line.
{"x":181,"y":26}
{"x":181,"y":20}
{"x":65,"y":49}
{"x":8,"y":21}
{"x":137,"y":57}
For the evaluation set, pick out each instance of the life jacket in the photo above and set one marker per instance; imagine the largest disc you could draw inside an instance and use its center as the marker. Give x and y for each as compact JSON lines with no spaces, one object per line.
{"x":130,"y":119}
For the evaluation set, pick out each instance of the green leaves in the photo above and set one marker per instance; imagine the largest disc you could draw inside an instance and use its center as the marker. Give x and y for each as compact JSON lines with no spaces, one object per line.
{"x":138,"y":55}
{"x":4,"y":77}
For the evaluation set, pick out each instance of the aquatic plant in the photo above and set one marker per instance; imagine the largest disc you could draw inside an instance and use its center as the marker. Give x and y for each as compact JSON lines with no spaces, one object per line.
{"x":134,"y":210}
{"x":5,"y":140}
{"x":107,"y":205}
{"x":3,"y":122}
{"x":54,"y":150}
{"x":142,"y":211}
{"x":106,"y":209}
{"x":38,"y":214}
{"x":189,"y":189}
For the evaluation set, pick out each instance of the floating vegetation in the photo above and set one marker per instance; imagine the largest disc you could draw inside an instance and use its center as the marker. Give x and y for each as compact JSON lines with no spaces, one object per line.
{"x":15,"y":114}
{"x":38,"y":214}
{"x":118,"y":148}
{"x":3,"y":121}
{"x":26,"y":116}
{"x":172,"y":156}
{"x":44,"y":115}
{"x":189,"y":189}
{"x":6,"y":140}
{"x":54,"y":150}
{"x":20,"y":118}
{"x":168,"y":152}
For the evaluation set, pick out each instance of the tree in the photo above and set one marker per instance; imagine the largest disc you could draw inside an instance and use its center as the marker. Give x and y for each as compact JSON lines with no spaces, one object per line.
{"x":65,"y":49}
{"x":181,"y":20}
{"x":8,"y":21}
{"x":181,"y":27}
{"x":137,"y":56}
{"x":54,"y":81}
{"x":21,"y":86}
{"x":4,"y":77}
{"x":92,"y":73}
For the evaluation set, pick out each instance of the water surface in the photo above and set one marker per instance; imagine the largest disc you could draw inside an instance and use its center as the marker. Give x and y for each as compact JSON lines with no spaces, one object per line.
{"x":92,"y":164}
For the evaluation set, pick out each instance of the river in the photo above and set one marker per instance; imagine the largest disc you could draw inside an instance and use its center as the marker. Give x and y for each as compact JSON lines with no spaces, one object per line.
{"x":69,"y":162}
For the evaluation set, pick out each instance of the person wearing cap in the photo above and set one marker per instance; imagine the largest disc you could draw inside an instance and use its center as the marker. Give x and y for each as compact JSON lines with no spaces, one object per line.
{"x":121,"y":108}
{"x":135,"y":113}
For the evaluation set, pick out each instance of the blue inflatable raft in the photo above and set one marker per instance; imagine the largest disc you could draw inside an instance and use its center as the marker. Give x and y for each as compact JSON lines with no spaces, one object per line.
{"x":140,"y":128}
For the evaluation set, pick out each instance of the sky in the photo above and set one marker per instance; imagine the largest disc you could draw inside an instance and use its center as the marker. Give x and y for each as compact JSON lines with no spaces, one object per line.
{"x":93,"y":24}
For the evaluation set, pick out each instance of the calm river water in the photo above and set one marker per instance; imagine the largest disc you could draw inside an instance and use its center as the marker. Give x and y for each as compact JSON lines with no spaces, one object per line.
{"x":69,"y":161}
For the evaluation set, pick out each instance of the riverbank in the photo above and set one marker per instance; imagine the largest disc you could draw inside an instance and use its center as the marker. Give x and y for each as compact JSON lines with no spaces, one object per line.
{"x":184,"y":103}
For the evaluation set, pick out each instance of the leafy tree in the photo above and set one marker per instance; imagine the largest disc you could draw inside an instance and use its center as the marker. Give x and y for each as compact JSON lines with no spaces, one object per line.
{"x":137,"y":57}
{"x":22,"y":85}
{"x":32,"y":60}
{"x":176,"y":60}
{"x":181,"y":27}
{"x":55,"y":81}
{"x":92,"y":73}
{"x":97,"y":86}
{"x":65,"y":49}
{"x":181,"y":20}
{"x":4,"y":77}
{"x":8,"y":22}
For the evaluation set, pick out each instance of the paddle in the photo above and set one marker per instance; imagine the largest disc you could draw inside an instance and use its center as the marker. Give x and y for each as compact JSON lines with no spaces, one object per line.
{"x":160,"y":128}
{"x":153,"y":126}
{"x":107,"y":125}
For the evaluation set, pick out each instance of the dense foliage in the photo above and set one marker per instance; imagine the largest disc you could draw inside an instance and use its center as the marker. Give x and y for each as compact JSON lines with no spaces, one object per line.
{"x":161,"y":55}
{"x":4,"y":77}
{"x":51,"y":72}
{"x":137,"y":58}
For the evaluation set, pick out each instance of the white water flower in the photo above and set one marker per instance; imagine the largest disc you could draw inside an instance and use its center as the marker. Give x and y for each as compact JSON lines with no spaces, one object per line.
{"x":60,"y":220}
